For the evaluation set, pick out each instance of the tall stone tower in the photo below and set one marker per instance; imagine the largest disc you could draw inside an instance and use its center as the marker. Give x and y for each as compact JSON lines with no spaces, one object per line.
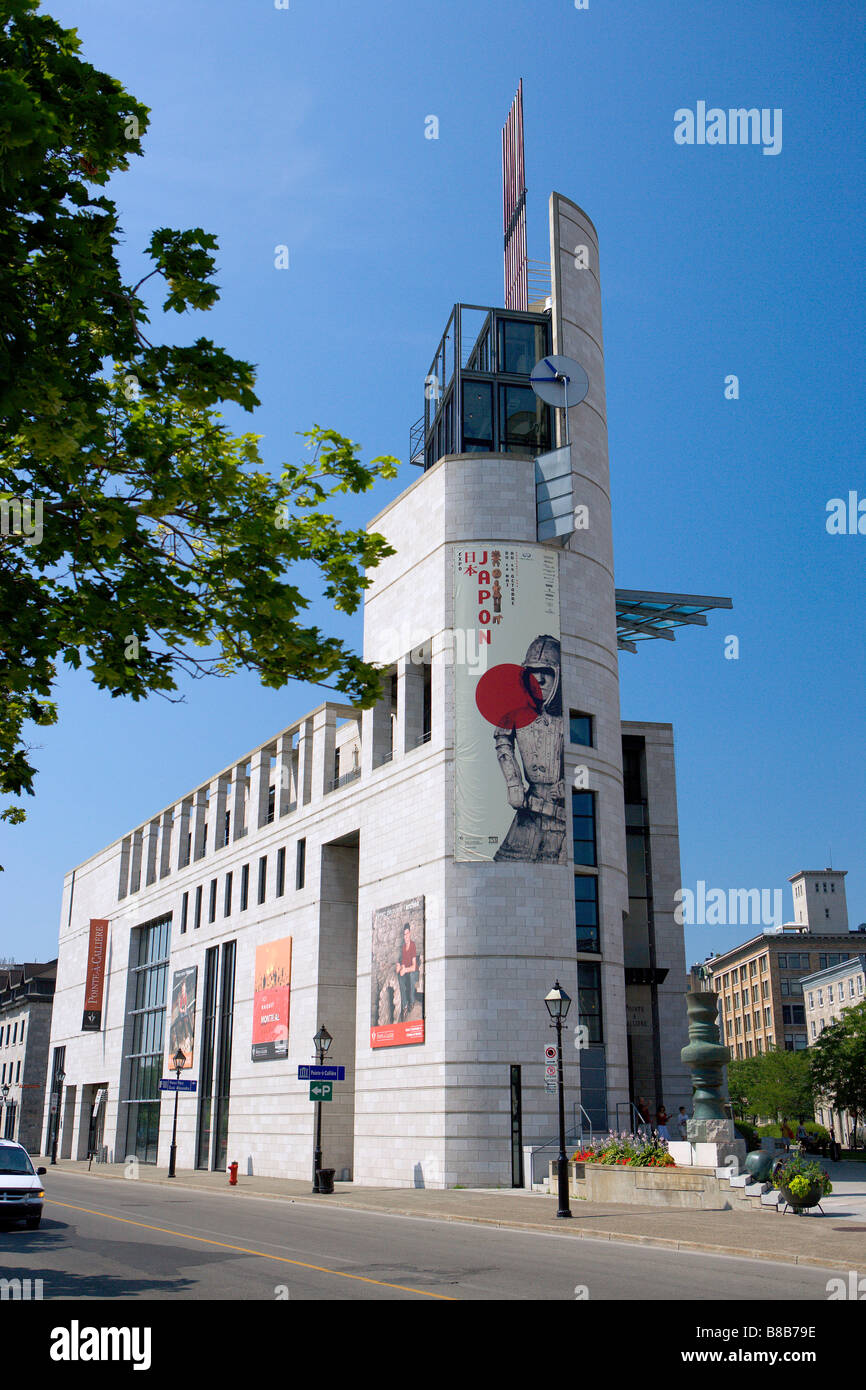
{"x":479,"y":812}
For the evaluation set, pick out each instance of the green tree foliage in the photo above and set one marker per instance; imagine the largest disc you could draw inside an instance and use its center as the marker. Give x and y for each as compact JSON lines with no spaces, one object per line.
{"x":773,"y":1083}
{"x":838,"y":1062}
{"x":140,"y":538}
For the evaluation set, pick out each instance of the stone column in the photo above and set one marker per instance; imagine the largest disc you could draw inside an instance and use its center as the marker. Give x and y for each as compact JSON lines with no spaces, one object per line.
{"x":182,"y":815}
{"x":239,"y":801}
{"x":410,"y":706}
{"x":305,"y":763}
{"x":260,"y":780}
{"x":219,"y":790}
{"x":151,"y":838}
{"x":199,"y":820}
{"x":324,"y":743}
{"x":284,"y":775}
{"x":165,"y":844}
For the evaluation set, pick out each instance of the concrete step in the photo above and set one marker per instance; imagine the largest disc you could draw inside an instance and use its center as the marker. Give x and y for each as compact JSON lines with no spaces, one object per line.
{"x":741,"y":1180}
{"x":770,"y":1197}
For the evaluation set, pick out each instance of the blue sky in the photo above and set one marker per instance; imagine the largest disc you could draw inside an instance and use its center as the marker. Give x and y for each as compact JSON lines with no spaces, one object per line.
{"x":305,"y":127}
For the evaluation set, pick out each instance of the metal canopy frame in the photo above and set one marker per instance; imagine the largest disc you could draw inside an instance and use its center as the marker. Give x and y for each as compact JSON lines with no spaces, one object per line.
{"x":644,"y":614}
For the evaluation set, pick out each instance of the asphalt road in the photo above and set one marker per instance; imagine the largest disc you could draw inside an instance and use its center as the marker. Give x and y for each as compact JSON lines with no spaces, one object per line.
{"x":108,"y":1239}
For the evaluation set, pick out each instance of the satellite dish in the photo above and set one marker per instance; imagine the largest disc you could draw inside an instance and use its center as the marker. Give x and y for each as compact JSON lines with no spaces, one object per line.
{"x":560,"y":381}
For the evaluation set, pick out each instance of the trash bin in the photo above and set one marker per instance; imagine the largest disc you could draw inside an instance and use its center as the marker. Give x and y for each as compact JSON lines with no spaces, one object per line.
{"x":326,"y":1179}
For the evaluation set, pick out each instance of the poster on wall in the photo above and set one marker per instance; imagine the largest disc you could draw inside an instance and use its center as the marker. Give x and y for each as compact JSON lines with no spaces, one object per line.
{"x":181,"y":1029}
{"x":91,"y":1020}
{"x":509,"y":737}
{"x":273,"y":983}
{"x":397,"y":976}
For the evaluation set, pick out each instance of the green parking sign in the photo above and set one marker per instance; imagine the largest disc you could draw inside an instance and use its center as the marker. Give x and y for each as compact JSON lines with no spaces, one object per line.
{"x":321,"y":1090}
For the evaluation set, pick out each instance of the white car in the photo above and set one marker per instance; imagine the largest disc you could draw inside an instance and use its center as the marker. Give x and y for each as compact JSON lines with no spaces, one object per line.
{"x":21,"y":1191}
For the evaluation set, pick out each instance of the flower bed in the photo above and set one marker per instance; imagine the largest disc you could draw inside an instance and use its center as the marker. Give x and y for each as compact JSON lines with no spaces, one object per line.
{"x":626,"y":1151}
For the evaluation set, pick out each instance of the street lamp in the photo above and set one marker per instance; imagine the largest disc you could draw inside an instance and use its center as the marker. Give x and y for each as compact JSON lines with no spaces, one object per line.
{"x":178,"y":1063}
{"x":58,"y":1092}
{"x":558,"y":1004}
{"x":322,"y":1041}
{"x":4,"y":1092}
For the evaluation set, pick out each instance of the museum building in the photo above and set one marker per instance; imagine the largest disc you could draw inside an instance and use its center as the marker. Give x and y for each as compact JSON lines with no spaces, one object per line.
{"x":416,"y":876}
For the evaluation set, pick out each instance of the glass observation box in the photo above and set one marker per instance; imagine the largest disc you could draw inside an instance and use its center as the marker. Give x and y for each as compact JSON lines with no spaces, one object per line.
{"x":477,"y":396}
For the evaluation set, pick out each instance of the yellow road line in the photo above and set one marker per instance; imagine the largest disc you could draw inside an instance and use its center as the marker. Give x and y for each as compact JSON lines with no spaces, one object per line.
{"x":263,"y":1254}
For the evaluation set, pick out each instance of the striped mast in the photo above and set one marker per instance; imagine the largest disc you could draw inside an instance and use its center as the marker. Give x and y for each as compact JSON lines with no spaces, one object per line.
{"x":514,"y":207}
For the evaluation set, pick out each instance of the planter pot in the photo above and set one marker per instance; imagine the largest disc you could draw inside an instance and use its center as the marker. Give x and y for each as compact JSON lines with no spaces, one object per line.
{"x":801,"y":1204}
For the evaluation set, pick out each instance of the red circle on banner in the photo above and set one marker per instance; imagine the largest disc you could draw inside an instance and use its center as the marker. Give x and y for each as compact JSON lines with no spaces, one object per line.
{"x":502,"y":697}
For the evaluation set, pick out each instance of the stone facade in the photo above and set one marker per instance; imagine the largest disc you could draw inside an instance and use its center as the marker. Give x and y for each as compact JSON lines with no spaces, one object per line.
{"x":371,"y":799}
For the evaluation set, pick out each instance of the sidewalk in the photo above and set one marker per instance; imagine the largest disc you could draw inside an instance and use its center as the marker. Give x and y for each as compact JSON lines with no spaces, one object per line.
{"x":835,"y":1241}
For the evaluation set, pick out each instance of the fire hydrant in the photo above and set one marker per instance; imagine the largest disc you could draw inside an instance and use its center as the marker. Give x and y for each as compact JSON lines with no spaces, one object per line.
{"x":233,"y":1175}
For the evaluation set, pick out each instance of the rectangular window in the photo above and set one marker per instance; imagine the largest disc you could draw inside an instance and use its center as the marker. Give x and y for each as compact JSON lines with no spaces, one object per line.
{"x":227,"y":897}
{"x":765,"y":989}
{"x":589,"y":999}
{"x":766,"y":1018}
{"x":586,"y":912}
{"x":272,"y":801}
{"x":829,"y":994}
{"x":184,"y":912}
{"x":18,"y":1072}
{"x":811,"y":1000}
{"x":281,"y":872}
{"x":753,"y":967}
{"x":197,"y":917}
{"x":754,"y":994}
{"x":580,"y":728}
{"x":785,"y":987}
{"x":783,"y":962}
{"x":748,"y":1022}
{"x":763,"y":965}
{"x":524,"y":420}
{"x":727,"y":1003}
{"x":300,"y":863}
{"x":583,"y":827}
{"x":245,"y":887}
{"x":211,"y":907}
{"x":749,"y":1048}
{"x":742,"y":972}
{"x":521,"y":345}
{"x":814,"y":1029}
{"x":477,"y":416}
{"x":147,"y":997}
{"x":208,"y":1049}
{"x":263,"y":877}
{"x":736,"y":998}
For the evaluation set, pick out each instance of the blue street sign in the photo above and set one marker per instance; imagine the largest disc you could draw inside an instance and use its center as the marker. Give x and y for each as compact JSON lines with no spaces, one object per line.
{"x":321,"y":1073}
{"x":165,"y":1085}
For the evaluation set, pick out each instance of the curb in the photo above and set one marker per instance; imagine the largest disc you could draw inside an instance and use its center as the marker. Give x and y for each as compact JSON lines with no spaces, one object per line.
{"x":573,"y":1233}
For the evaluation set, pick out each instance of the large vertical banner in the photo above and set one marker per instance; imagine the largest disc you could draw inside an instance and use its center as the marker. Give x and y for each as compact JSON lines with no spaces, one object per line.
{"x":94,"y":979}
{"x":273,"y":985}
{"x":398,"y":990}
{"x":509,"y":738}
{"x":181,"y":1029}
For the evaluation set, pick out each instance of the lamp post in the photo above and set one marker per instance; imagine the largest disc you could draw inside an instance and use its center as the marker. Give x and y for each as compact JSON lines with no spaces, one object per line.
{"x":178,"y":1063}
{"x":558,"y":1004}
{"x":58,"y":1092}
{"x":4,"y":1092}
{"x":322,"y":1041}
